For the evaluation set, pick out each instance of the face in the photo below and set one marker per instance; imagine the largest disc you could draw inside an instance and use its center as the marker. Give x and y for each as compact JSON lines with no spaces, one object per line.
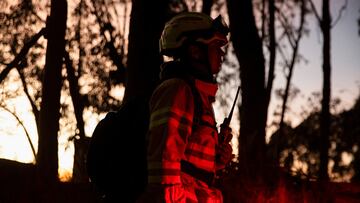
{"x":207,"y":59}
{"x":215,"y":55}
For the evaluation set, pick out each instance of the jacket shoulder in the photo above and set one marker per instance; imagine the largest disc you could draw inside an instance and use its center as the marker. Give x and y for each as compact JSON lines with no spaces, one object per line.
{"x":173,"y":89}
{"x":175,"y":84}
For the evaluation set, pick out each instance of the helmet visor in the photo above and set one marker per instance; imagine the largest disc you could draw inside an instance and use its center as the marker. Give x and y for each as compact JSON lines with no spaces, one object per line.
{"x":220,"y":25}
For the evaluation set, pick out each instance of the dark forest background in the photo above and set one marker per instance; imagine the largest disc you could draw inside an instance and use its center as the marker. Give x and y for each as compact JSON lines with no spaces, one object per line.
{"x":69,"y":57}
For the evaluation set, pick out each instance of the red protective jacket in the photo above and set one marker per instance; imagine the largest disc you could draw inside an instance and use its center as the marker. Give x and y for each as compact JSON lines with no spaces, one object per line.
{"x":173,"y":139}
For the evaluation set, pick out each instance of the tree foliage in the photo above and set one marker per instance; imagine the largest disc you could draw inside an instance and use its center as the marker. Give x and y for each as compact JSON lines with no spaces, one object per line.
{"x":299,"y":146}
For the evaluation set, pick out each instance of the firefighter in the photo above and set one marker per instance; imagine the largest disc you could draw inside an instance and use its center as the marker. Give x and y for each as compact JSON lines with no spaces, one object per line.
{"x":184,"y":151}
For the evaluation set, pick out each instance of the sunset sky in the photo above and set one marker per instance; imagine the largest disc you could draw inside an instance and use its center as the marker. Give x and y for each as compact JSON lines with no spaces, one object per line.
{"x":345,"y":81}
{"x":345,"y":61}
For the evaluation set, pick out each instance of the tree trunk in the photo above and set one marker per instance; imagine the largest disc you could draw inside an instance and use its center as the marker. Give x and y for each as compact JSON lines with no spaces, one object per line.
{"x":143,"y":53}
{"x":325,"y":110}
{"x":272,"y":49}
{"x":290,"y":65}
{"x":206,"y":7}
{"x":81,"y":142}
{"x":51,"y":87}
{"x":143,"y":64}
{"x":248,"y":49}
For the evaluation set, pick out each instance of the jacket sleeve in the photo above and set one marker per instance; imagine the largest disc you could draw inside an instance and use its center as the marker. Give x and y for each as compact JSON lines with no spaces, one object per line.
{"x":171,"y":117}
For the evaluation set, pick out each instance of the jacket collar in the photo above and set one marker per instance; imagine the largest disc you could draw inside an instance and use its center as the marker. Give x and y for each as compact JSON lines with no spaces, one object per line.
{"x":209,"y":89}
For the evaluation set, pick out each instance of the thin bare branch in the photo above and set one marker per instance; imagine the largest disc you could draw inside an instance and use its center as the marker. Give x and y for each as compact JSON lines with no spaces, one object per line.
{"x":287,"y":63}
{"x":37,"y":16}
{"x":285,"y":24}
{"x":272,"y":50}
{"x":288,"y":30}
{"x":26,"y":90}
{"x":342,"y":9}
{"x":315,"y":11}
{"x":263,"y":19}
{"x":75,"y":94}
{"x":23,"y":126}
{"x":21,"y":54}
{"x":292,"y":64}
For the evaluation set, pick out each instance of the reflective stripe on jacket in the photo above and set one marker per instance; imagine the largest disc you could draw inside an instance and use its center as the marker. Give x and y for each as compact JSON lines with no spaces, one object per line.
{"x":171,"y":135}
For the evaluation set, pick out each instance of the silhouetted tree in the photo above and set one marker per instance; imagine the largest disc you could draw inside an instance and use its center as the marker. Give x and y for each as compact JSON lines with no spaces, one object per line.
{"x":294,"y":41}
{"x":206,"y":6}
{"x":80,"y":140}
{"x":143,"y":75}
{"x":248,"y":49}
{"x":51,"y":86}
{"x":325,"y":25}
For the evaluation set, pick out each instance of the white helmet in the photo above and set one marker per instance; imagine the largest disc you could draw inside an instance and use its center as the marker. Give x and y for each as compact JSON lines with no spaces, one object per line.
{"x":191,"y":25}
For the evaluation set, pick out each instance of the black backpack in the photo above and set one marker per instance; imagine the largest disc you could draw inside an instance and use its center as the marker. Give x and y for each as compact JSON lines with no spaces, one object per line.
{"x":116,"y":158}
